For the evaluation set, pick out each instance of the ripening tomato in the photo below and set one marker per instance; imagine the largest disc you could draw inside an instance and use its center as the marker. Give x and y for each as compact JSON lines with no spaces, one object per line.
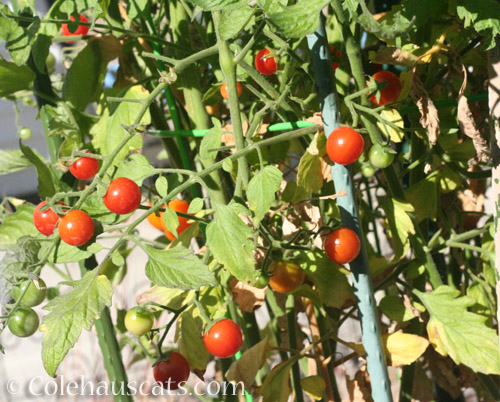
{"x":76,"y":228}
{"x":172,"y":372}
{"x":81,"y":30}
{"x":337,"y":57}
{"x":224,"y":92}
{"x":380,"y":156}
{"x":139,"y":321}
{"x":342,"y":245}
{"x":33,"y":296}
{"x":266,"y":66}
{"x":156,"y":219}
{"x":23,"y":322}
{"x":285,"y":276}
{"x":45,"y":221}
{"x":344,"y":145}
{"x":391,"y":92}
{"x":84,"y":168}
{"x":178,"y":206}
{"x":123,"y":196}
{"x":223,"y":339}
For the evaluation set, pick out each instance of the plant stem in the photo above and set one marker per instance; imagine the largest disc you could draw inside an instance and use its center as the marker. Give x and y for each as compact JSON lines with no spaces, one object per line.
{"x":292,"y":339}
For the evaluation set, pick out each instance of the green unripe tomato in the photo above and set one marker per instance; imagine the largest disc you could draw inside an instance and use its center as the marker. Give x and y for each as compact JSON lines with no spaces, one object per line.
{"x":368,"y":170}
{"x":261,"y":281}
{"x":139,"y":321}
{"x":25,"y":133}
{"x":23,"y":322}
{"x":33,"y":295}
{"x":381,"y":156}
{"x":28,"y":101}
{"x":50,"y":63}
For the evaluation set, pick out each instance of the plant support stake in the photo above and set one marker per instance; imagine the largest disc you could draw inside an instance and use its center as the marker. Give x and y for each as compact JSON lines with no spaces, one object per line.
{"x":361,"y":277}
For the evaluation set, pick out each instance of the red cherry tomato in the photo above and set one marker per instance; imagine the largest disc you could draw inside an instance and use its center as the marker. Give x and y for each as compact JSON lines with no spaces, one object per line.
{"x":123,"y":196}
{"x":84,"y":168}
{"x":172,"y":372}
{"x":223,"y":339}
{"x":76,"y":228}
{"x":225,"y":94}
{"x":391,"y":92}
{"x":342,"y":245}
{"x":266,"y":66}
{"x":81,"y":30}
{"x":178,"y":206}
{"x":45,"y":221}
{"x":285,"y":276}
{"x":337,"y":57}
{"x":344,"y":145}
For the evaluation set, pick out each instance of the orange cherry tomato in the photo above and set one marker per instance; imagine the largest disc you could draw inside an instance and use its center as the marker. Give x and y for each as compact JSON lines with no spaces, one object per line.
{"x":225,"y":94}
{"x":157,"y":220}
{"x":285,"y":276}
{"x":178,"y":206}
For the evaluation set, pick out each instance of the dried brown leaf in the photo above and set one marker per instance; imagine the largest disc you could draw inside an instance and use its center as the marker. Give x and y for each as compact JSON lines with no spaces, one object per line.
{"x":442,"y":371}
{"x":359,"y":387}
{"x":393,"y":55}
{"x":422,"y":386}
{"x":247,"y":297}
{"x":468,"y":124}
{"x":429,"y":118}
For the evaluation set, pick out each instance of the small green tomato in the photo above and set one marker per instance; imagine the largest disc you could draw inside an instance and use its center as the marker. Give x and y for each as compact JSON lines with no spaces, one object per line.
{"x":139,"y":321}
{"x":33,"y":296}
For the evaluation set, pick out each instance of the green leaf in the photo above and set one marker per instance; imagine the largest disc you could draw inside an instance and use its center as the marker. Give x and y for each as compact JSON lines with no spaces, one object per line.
{"x":12,"y":160}
{"x":191,"y":344}
{"x":400,"y":224}
{"x":108,"y":132}
{"x":14,"y":78}
{"x":115,"y":268}
{"x":64,"y":253}
{"x":173,"y":298}
{"x":483,"y":16}
{"x":136,"y":168}
{"x":392,"y":116}
{"x":456,"y":332}
{"x":394,"y":308}
{"x":171,"y":221}
{"x":40,"y":50}
{"x":215,"y":5}
{"x":19,"y":41}
{"x":276,"y":386}
{"x":272,"y":6}
{"x":46,"y":177}
{"x":423,"y":196}
{"x":177,"y":268}
{"x":83,"y":82}
{"x":482,"y":294}
{"x":136,"y":8}
{"x":299,"y":19}
{"x":69,"y":314}
{"x":17,"y":225}
{"x":310,"y":174}
{"x":195,"y":206}
{"x":262,"y":190}
{"x":161,"y":185}
{"x":233,"y":22}
{"x":229,"y":238}
{"x":211,"y":140}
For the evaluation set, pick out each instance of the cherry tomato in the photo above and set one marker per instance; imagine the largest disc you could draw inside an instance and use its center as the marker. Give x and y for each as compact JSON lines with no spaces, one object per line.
{"x":261,"y":280}
{"x":84,"y":168}
{"x":285,"y":276}
{"x":178,"y":206}
{"x":157,"y":220}
{"x":123,"y":196}
{"x":391,"y":92}
{"x":344,"y":145}
{"x":172,"y":372}
{"x":223,"y":339}
{"x":337,"y":57}
{"x":266,"y":66}
{"x":368,"y":170}
{"x":33,"y":296}
{"x":139,"y":321}
{"x":225,"y":94}
{"x":380,"y":156}
{"x":81,"y":30}
{"x":23,"y":322}
{"x":342,"y":245}
{"x":45,"y":221}
{"x":25,"y":133}
{"x":76,"y":228}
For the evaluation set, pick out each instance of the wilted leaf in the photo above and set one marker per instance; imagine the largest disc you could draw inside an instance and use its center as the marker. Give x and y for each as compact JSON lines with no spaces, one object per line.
{"x":247,"y":297}
{"x":359,"y":388}
{"x":314,"y":386}
{"x":173,"y":298}
{"x":403,"y":349}
{"x":429,"y":118}
{"x":392,"y":116}
{"x":246,"y":367}
{"x":395,"y":56}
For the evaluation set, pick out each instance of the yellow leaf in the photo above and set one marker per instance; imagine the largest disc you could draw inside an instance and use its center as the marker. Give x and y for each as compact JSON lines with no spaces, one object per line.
{"x":314,"y":386}
{"x":435,"y":330}
{"x":392,"y":116}
{"x":404,"y":348}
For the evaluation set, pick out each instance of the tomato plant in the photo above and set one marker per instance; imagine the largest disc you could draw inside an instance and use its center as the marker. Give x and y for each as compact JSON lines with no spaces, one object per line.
{"x":84,"y":168}
{"x":265,"y":64}
{"x":23,"y":322}
{"x":28,"y":294}
{"x":344,"y":145}
{"x":123,"y":196}
{"x":392,"y":90}
{"x":139,"y":321}
{"x":76,"y":228}
{"x":223,"y":339}
{"x":172,"y":372}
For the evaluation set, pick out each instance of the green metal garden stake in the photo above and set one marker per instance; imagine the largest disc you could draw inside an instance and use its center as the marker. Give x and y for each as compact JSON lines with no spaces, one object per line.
{"x":363,"y":289}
